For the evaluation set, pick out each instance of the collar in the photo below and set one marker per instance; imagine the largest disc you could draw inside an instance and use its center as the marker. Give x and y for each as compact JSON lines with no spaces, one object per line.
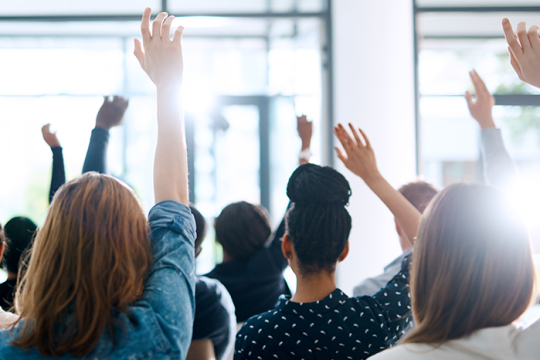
{"x":335,"y":299}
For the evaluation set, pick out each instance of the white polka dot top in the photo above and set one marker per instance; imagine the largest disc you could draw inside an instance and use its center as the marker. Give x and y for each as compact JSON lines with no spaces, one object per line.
{"x":337,"y":327}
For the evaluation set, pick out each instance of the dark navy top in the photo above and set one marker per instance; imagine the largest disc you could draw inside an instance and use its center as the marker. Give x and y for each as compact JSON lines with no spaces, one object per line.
{"x":337,"y":327}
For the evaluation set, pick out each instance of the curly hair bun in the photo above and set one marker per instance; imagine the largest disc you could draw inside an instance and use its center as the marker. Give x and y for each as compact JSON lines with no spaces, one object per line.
{"x":311,"y":184}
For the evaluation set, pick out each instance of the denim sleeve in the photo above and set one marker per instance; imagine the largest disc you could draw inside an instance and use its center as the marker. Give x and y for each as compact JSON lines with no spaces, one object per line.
{"x":96,"y":155}
{"x":58,"y":177}
{"x":170,"y":287}
{"x":499,"y":168}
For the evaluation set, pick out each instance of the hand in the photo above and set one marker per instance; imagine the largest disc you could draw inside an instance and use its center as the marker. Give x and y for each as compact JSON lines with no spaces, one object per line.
{"x":111,"y":113}
{"x":360,"y":158}
{"x":305,"y":130}
{"x":162,"y":57}
{"x":50,"y":137}
{"x":525,"y":53}
{"x":481,"y":108}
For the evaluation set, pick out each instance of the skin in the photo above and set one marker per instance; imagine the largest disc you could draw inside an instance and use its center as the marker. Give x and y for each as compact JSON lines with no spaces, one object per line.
{"x":112,"y":112}
{"x":305,"y":131}
{"x":481,"y":108}
{"x":50,"y":137}
{"x":161,"y":58}
{"x":524,"y":51}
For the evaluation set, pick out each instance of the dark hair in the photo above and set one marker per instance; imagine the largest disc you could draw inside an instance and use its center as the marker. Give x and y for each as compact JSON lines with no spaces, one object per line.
{"x":200,"y":224}
{"x":19,"y":233}
{"x":242,"y":229}
{"x":419,"y":193}
{"x":317,"y":222}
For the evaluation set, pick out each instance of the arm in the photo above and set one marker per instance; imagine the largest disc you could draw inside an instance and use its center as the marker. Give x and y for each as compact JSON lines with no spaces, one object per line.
{"x":499,"y":168}
{"x":162,"y":61}
{"x":305,"y":131}
{"x":110,"y":114}
{"x":58,"y":177}
{"x":360,"y":159}
{"x":524,"y":51}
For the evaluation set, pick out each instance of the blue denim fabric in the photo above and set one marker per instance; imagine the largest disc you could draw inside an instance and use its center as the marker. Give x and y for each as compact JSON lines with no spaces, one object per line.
{"x":159,"y":325}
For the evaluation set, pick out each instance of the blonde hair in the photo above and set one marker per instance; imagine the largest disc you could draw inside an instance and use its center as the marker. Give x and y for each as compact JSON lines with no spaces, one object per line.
{"x":89,"y":260}
{"x":472,"y":266}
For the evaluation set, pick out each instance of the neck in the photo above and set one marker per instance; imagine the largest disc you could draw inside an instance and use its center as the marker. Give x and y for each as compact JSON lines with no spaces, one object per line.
{"x":11,"y":276}
{"x":314,"y":287}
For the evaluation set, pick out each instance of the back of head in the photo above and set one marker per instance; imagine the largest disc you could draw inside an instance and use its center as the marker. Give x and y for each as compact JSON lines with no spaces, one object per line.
{"x":419,"y":193}
{"x":90,"y":257}
{"x":318,"y":223}
{"x":242,"y":229}
{"x":19,"y":233}
{"x":472,"y":265}
{"x":200,"y":224}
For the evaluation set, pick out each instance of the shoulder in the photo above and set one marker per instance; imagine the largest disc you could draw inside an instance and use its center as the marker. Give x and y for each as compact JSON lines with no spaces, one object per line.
{"x":212,"y":292}
{"x":406,"y":352}
{"x":172,"y":216}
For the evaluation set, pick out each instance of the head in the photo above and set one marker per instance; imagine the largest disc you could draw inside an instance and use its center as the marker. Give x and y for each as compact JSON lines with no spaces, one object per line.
{"x":19,"y":233}
{"x":242,"y":229}
{"x":420,"y":194}
{"x":317,"y":224}
{"x":90,"y":257}
{"x":201,"y":228}
{"x":472,"y":266}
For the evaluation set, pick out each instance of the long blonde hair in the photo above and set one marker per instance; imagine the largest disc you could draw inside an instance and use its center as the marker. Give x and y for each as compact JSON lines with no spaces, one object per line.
{"x":89,"y":260}
{"x":472,"y":266}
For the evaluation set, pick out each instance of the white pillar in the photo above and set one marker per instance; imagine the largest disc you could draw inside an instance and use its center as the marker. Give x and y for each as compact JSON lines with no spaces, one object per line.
{"x":374,"y":89}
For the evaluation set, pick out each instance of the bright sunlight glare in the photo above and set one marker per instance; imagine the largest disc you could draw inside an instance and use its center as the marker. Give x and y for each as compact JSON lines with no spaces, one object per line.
{"x":525,"y":197}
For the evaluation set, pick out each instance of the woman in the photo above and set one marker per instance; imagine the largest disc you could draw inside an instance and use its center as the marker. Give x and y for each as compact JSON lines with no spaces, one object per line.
{"x":320,"y":321}
{"x":98,"y":284}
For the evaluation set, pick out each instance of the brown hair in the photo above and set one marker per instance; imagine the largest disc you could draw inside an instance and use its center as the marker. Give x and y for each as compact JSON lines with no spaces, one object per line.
{"x":472,"y":266}
{"x":89,"y":259}
{"x":419,"y":193}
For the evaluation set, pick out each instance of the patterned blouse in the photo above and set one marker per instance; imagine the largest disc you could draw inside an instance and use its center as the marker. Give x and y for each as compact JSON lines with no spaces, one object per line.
{"x":337,"y":327}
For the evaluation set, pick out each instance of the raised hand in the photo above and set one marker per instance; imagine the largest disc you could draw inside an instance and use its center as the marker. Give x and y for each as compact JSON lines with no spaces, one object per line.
{"x":305,"y":130}
{"x":359,"y":158}
{"x":112,"y":112}
{"x":50,"y":137}
{"x":480,"y":108}
{"x":161,"y":58}
{"x":524,"y":51}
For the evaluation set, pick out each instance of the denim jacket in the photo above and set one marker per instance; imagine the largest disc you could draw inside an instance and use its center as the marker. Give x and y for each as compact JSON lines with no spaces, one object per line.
{"x":160,"y":324}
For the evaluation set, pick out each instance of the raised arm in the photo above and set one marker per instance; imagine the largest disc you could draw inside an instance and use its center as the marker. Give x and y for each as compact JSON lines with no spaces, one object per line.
{"x":58,"y":177}
{"x":499,"y":168}
{"x":360,"y":159}
{"x":305,"y":131}
{"x":110,"y":114}
{"x":524,"y":51}
{"x":162,"y":60}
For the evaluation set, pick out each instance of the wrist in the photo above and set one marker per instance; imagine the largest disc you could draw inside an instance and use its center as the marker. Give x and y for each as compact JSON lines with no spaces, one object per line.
{"x":487,"y":123}
{"x":374,"y":180}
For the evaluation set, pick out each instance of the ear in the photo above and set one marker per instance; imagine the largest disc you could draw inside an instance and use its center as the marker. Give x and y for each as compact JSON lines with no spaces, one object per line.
{"x":398,"y":228}
{"x":345,"y":252}
{"x":286,"y":247}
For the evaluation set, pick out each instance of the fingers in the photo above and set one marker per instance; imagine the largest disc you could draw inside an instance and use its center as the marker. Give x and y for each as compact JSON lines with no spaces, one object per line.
{"x":46,"y":129}
{"x":166,"y":29}
{"x":138,"y":52}
{"x":479,"y":85}
{"x":145,"y":26}
{"x":355,"y":134}
{"x":342,"y":137}
{"x":515,"y":64}
{"x":156,"y":25}
{"x":522,"y":36}
{"x":511,"y":38}
{"x":340,"y":155}
{"x":468,"y":97}
{"x":178,"y":35}
{"x":368,"y":144}
{"x":533,"y":37}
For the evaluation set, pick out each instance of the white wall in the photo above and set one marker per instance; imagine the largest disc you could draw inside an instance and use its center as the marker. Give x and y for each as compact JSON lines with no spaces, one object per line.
{"x":374,"y":89}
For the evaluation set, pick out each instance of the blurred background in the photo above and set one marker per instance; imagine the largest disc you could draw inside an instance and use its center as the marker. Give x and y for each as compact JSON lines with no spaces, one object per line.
{"x":397,"y":68}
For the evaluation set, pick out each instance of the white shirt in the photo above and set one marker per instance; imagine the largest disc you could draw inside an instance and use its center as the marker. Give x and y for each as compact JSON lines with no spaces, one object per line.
{"x":512,"y":342}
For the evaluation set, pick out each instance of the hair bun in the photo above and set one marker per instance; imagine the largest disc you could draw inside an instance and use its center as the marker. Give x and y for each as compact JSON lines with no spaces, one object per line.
{"x":311,"y":184}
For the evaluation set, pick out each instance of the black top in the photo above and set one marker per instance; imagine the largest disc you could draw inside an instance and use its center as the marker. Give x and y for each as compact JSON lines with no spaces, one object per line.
{"x":7,"y":294}
{"x":337,"y":327}
{"x":255,"y":284}
{"x":95,"y":160}
{"x":214,"y":316}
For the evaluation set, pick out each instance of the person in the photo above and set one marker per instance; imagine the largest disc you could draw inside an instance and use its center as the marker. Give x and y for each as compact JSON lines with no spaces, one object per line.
{"x":419,"y":193}
{"x":252,"y":267}
{"x":473,"y":258}
{"x":98,"y":283}
{"x":110,"y":114}
{"x":6,"y":318}
{"x":19,"y":233}
{"x":214,"y":308}
{"x":320,"y":321}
